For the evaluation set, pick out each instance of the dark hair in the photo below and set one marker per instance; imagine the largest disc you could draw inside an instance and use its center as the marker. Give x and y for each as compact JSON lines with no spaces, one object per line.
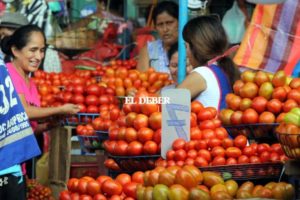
{"x":169,"y":7}
{"x":18,"y":39}
{"x":207,"y":39}
{"x":173,"y":49}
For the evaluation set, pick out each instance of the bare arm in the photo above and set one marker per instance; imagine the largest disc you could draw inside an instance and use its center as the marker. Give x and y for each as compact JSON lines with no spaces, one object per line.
{"x":37,"y":113}
{"x":195,"y":83}
{"x":143,"y":60}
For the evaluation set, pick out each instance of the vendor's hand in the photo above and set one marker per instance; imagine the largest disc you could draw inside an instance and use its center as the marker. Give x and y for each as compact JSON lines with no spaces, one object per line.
{"x":70,"y":109}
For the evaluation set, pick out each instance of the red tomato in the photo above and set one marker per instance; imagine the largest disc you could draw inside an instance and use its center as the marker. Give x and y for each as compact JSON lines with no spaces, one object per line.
{"x":274,"y":157}
{"x":207,"y":124}
{"x":214,"y":142}
{"x":155,"y":120}
{"x":243,"y":159}
{"x":240,"y":141}
{"x":135,"y":148}
{"x":236,"y":117}
{"x":178,"y":144}
{"x":218,"y":151}
{"x":265,"y":156}
{"x":233,"y":152}
{"x":85,"y":197}
{"x":231,"y":161}
{"x":277,"y":148}
{"x":203,"y":153}
{"x":218,"y":160}
{"x":259,"y":104}
{"x":180,"y":155}
{"x":103,"y":99}
{"x":195,"y":133}
{"x":255,"y":159}
{"x":137,"y":177}
{"x":99,"y":197}
{"x":190,"y":145}
{"x":201,"y":144}
{"x":289,"y":104}
{"x":82,"y":186}
{"x":92,"y":100}
{"x":192,"y":153}
{"x":263,"y":147}
{"x":200,"y":162}
{"x":102,"y":178}
{"x":130,"y":119}
{"x":145,"y":134}
{"x":130,"y":134}
{"x":279,"y":93}
{"x":130,"y":189}
{"x":221,"y":133}
{"x":123,"y":179}
{"x":72,"y":184}
{"x":150,"y":148}
{"x":114,"y":114}
{"x":93,"y":187}
{"x":92,"y":109}
{"x":250,"y":116}
{"x":266,"y":117}
{"x":141,"y":121}
{"x":205,"y":114}
{"x":193,"y":120}
{"x":227,"y":142}
{"x":97,"y":123}
{"x":170,"y":154}
{"x":208,"y":134}
{"x":196,"y":106}
{"x":111,"y":187}
{"x":274,"y":106}
{"x":248,"y":151}
{"x":120,"y":148}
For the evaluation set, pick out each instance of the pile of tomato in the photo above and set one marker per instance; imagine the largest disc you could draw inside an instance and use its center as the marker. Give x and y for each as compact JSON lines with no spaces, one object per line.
{"x":260,"y":97}
{"x":36,"y":191}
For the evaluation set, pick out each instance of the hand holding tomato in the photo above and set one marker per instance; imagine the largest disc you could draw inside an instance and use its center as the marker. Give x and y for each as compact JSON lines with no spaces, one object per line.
{"x":69,"y":109}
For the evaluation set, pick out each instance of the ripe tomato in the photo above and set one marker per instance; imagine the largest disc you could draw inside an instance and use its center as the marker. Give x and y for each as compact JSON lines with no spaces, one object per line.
{"x":259,"y":104}
{"x":195,"y":133}
{"x":266,"y":117}
{"x":201,"y":144}
{"x":82,"y":186}
{"x":227,"y":142}
{"x":218,"y":160}
{"x":135,"y":148}
{"x":243,"y":159}
{"x":137,"y":177}
{"x":214,"y":142}
{"x":93,"y":187}
{"x":64,"y":195}
{"x":91,"y":100}
{"x":111,"y":187}
{"x":196,"y":106}
{"x":207,"y":124}
{"x":190,"y":145}
{"x":236,"y":117}
{"x":192,"y":153}
{"x":141,"y":121}
{"x":233,"y":152}
{"x":170,"y":154}
{"x":250,"y":116}
{"x":157,"y":136}
{"x":218,"y":151}
{"x":120,"y":148}
{"x":145,"y":134}
{"x":130,"y":189}
{"x":280,"y":94}
{"x":150,"y":148}
{"x":277,"y":148}
{"x":155,"y":120}
{"x":203,"y":153}
{"x":289,"y":104}
{"x":99,"y":197}
{"x":123,"y":179}
{"x":178,"y":144}
{"x":114,"y":114}
{"x":274,"y":106}
{"x":265,"y":156}
{"x":200,"y":162}
{"x":180,"y":155}
{"x":248,"y":151}
{"x":205,"y":114}
{"x":231,"y":161}
{"x":208,"y":134}
{"x":255,"y":159}
{"x":263,"y":147}
{"x":72,"y":184}
{"x":240,"y":141}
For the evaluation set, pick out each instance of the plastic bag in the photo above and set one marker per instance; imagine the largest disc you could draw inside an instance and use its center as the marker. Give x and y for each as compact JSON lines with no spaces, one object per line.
{"x":233,"y":23}
{"x":42,"y":169}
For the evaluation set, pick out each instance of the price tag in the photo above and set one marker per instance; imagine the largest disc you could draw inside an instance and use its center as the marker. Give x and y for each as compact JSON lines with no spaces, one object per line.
{"x":175,"y":118}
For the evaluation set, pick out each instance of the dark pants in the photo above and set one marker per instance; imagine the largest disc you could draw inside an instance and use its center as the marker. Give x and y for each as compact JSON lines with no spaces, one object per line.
{"x":10,"y":189}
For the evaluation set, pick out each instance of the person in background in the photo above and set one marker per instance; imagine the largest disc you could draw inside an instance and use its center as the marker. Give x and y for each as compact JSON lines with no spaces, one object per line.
{"x":214,"y":72}
{"x":154,"y":54}
{"x":25,"y":49}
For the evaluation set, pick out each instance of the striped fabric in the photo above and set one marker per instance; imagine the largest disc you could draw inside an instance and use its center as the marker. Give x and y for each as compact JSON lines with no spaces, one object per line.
{"x":272,"y":39}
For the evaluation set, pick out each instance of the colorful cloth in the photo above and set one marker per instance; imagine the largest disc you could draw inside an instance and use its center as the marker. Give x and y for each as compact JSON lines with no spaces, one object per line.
{"x":217,"y":86}
{"x":272,"y":39}
{"x":17,"y":141}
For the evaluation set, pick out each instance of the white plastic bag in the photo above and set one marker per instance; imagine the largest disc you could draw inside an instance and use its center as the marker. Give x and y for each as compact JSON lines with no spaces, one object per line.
{"x":234,"y":24}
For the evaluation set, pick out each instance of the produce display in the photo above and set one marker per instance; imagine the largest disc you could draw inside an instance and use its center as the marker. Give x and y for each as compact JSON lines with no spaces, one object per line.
{"x":36,"y":191}
{"x":172,"y":183}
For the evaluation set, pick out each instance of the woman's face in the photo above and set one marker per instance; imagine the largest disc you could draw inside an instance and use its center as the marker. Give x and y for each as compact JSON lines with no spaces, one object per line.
{"x":30,"y":57}
{"x":174,"y":66}
{"x":167,"y":28}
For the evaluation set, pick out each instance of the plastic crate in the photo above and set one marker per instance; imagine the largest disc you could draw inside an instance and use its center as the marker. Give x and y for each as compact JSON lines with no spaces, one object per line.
{"x":89,"y":144}
{"x":79,"y":118}
{"x":136,"y":163}
{"x":249,"y":171}
{"x":258,"y":132}
{"x":290,"y":144}
{"x":102,"y":135}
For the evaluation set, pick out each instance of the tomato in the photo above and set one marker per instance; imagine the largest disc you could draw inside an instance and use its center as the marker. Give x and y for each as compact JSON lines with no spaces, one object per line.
{"x":201,"y":144}
{"x":145,"y":134}
{"x":227,"y":142}
{"x":92,"y":100}
{"x":170,"y":154}
{"x":99,"y":197}
{"x":205,"y":114}
{"x":280,"y":94}
{"x":233,"y":152}
{"x":135,"y":148}
{"x":289,"y":104}
{"x":111,"y":187}
{"x":104,"y":99}
{"x":243,"y":159}
{"x":254,"y":159}
{"x":265,"y":156}
{"x":130,"y":134}
{"x":137,"y":177}
{"x":196,"y":106}
{"x":141,"y":121}
{"x":130,"y":189}
{"x":155,"y":120}
{"x":231,"y":161}
{"x":208,"y":134}
{"x":207,"y":124}
{"x":218,"y":151}
{"x":204,"y":154}
{"x":218,"y":160}
{"x":274,"y":157}
{"x":263,"y":147}
{"x":178,"y":144}
{"x":114,"y":114}
{"x":217,"y":122}
{"x":150,"y":148}
{"x":259,"y":104}
{"x":123,"y":179}
{"x":236,"y":117}
{"x":190,"y":145}
{"x":185,"y":179}
{"x":111,"y":164}
{"x":93,"y":187}
{"x":248,"y":151}
{"x":120,"y":148}
{"x":250,"y":116}
{"x":64,"y":195}
{"x":180,"y":155}
{"x":67,"y":97}
{"x":195,"y":133}
{"x":214,"y":142}
{"x":240,"y":141}
{"x":274,"y":106}
{"x":234,"y":102}
{"x":266,"y":117}
{"x":82,"y":186}
{"x":249,"y":90}
{"x":277,"y":148}
{"x":200,"y":162}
